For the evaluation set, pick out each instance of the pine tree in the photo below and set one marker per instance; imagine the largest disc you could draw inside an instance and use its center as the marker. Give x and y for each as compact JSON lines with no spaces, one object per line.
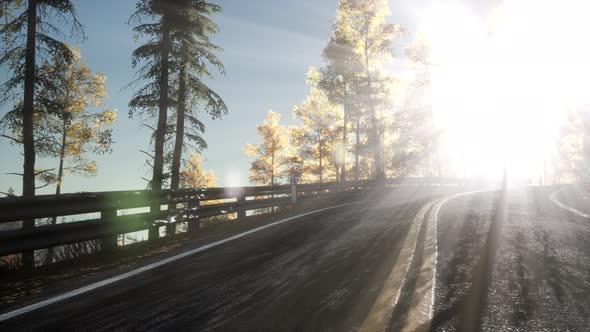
{"x":173,"y":61}
{"x":31,"y":38}
{"x":153,"y":19}
{"x":192,"y":52}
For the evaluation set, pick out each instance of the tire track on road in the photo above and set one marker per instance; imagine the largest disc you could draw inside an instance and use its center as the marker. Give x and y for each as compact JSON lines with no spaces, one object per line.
{"x":381,"y":311}
{"x":418,"y":293}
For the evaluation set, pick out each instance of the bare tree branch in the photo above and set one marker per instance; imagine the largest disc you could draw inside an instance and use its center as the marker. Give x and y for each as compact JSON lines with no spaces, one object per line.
{"x":146,"y":153}
{"x":44,"y":171}
{"x":12,"y":138}
{"x":148,"y":126}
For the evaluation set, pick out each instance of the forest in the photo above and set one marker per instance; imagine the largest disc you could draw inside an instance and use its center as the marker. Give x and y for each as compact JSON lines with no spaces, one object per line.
{"x":360,"y":120}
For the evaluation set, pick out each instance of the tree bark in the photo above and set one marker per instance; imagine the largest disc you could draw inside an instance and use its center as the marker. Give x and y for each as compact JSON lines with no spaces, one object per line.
{"x":60,"y":172}
{"x":272,"y":168}
{"x":344,"y":143}
{"x":163,"y":109}
{"x":157,"y":177}
{"x":357,"y":149}
{"x":379,"y":171}
{"x":378,"y":162}
{"x":321,"y":155}
{"x":28,"y":259}
{"x":179,"y":141}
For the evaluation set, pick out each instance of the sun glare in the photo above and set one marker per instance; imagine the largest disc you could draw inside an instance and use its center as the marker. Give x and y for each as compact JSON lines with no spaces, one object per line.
{"x":501,"y":85}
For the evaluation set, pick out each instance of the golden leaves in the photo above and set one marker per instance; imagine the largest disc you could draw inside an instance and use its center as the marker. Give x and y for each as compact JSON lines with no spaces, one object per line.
{"x":193,"y":175}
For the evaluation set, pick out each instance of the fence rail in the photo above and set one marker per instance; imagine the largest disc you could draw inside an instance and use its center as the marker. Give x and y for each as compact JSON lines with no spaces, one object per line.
{"x":184,"y":205}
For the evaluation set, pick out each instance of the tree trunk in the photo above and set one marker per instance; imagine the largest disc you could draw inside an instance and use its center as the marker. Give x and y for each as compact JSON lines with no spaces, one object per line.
{"x":357,"y":149}
{"x":179,"y":140}
{"x":272,"y":176}
{"x":163,"y":109}
{"x":379,"y":174}
{"x":28,"y":259}
{"x":60,"y":172}
{"x":321,"y":155}
{"x":344,"y":143}
{"x":157,"y":177}
{"x":272,"y":168}
{"x":379,"y":171}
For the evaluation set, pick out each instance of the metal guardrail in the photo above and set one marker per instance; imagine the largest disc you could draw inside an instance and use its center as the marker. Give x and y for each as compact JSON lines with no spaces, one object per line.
{"x":183,"y":205}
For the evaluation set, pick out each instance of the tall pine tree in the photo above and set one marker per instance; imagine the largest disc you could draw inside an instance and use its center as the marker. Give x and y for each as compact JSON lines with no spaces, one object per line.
{"x":192,"y":52}
{"x":32,"y":36}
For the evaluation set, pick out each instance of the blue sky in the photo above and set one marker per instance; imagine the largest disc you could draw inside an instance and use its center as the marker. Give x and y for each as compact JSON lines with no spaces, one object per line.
{"x":268,"y":47}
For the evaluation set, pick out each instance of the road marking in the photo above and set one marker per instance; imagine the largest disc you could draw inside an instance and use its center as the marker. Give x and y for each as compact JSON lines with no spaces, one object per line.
{"x":422,"y":303}
{"x":421,"y":309}
{"x":86,"y":289}
{"x":567,"y":207}
{"x":382,"y":309}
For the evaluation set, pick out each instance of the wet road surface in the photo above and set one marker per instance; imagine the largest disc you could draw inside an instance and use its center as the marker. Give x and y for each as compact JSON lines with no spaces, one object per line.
{"x":490,"y":261}
{"x":513,"y":263}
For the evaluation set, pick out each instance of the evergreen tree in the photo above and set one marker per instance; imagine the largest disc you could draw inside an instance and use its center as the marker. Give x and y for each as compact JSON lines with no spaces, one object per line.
{"x":31,"y":36}
{"x":173,"y":62}
{"x":192,"y":52}
{"x":154,"y":19}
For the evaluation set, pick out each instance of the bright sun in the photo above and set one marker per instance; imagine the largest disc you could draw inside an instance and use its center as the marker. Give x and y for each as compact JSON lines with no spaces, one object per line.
{"x":501,"y":84}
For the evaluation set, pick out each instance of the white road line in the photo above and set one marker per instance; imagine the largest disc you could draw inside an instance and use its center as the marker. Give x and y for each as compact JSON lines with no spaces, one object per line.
{"x":435,"y":213}
{"x":381,"y":311}
{"x":421,"y":309}
{"x":567,"y":207}
{"x":421,"y":312}
{"x":86,"y":289}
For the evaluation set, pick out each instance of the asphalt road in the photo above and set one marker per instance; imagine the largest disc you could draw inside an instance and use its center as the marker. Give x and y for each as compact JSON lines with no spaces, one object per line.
{"x":491,"y":261}
{"x":513,"y":262}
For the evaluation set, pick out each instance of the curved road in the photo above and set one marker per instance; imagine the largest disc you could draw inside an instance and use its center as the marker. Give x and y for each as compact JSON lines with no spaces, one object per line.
{"x":408,"y":259}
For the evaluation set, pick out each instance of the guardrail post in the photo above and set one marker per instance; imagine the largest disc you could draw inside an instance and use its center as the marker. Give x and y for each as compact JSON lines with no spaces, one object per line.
{"x":293,"y":193}
{"x":108,"y":243}
{"x":154,"y":229}
{"x":194,"y":225}
{"x":241,"y":211}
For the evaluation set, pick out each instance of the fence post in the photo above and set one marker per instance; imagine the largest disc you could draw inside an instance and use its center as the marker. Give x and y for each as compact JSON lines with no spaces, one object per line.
{"x":241,"y":211}
{"x":108,"y":243}
{"x":154,"y":229}
{"x":293,"y":193}
{"x":28,"y":257}
{"x":194,"y":225}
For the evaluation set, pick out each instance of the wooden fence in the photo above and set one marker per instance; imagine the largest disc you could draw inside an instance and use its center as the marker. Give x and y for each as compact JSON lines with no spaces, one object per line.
{"x":108,"y":215}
